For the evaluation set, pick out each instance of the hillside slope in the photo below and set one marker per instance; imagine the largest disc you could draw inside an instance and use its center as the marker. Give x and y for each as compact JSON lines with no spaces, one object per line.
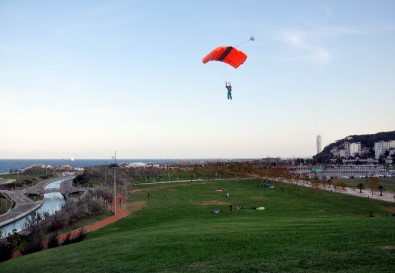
{"x":367,"y":141}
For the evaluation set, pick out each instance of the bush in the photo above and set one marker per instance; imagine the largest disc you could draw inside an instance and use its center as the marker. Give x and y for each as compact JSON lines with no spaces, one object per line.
{"x":34,"y":243}
{"x":5,"y":251}
{"x":81,"y":179}
{"x":16,"y":241}
{"x":104,"y":192}
{"x":58,"y":221}
{"x":97,"y":206}
{"x":53,"y":240}
{"x":78,"y":238}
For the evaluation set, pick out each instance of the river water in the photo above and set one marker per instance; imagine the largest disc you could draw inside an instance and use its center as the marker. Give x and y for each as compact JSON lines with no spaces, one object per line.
{"x":52,"y":203}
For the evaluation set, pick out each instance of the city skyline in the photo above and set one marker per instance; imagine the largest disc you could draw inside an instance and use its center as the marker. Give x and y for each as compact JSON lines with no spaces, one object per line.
{"x":83,"y":79}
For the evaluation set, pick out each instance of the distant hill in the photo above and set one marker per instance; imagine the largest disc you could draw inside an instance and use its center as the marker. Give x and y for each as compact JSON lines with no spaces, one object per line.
{"x":367,"y":141}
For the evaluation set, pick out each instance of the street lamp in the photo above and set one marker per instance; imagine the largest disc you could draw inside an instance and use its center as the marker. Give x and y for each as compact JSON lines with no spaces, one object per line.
{"x":105,"y":172}
{"x":115,"y":183}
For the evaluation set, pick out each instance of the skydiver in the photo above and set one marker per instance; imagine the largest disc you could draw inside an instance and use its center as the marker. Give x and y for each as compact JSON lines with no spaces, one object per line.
{"x":228,"y":87}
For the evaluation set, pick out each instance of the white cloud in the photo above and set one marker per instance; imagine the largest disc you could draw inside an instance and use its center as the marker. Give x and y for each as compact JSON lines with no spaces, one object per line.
{"x":319,"y":55}
{"x":293,"y":38}
{"x":301,"y":48}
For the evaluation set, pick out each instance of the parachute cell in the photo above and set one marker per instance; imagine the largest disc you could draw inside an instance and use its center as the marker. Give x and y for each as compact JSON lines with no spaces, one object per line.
{"x":226,"y":54}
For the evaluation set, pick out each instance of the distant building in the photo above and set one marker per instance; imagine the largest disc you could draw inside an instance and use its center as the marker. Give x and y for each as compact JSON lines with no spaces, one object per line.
{"x":319,"y":144}
{"x":346,"y":146}
{"x":137,"y":165}
{"x":352,"y":149}
{"x":355,"y":148}
{"x":66,"y":167}
{"x":381,"y":147}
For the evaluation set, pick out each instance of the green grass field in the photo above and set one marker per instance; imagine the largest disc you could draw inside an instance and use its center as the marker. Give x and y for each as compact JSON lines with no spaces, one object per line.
{"x":299,"y":231}
{"x":387,"y":182}
{"x":5,"y":204}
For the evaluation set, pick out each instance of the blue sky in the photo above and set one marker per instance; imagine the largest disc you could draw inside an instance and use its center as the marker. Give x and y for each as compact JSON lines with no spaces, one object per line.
{"x":82,"y":79}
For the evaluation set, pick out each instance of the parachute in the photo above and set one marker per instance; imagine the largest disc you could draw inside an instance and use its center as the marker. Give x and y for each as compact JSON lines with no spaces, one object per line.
{"x":226,"y":54}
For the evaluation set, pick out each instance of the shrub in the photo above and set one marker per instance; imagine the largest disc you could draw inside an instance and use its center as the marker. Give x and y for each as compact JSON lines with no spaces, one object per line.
{"x":5,"y":251}
{"x":67,"y":240}
{"x":78,"y":238}
{"x":59,"y":220}
{"x":97,"y":206}
{"x":53,"y":240}
{"x":104,"y":192}
{"x":16,"y":241}
{"x":34,"y":243}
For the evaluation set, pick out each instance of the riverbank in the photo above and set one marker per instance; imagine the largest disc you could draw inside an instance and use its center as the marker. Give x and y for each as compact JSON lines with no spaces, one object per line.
{"x":23,"y":206}
{"x":121,"y":212}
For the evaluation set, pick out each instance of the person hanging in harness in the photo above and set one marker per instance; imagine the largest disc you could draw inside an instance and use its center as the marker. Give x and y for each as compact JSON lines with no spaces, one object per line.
{"x":228,"y":87}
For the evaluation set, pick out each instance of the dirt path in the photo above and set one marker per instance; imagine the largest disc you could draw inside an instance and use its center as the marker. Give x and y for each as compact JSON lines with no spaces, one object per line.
{"x":121,"y":212}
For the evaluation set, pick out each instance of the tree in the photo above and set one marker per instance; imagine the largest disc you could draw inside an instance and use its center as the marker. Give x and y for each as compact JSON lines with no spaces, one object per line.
{"x":5,"y":251}
{"x":324,"y":182}
{"x":341,"y":184}
{"x":373,"y":183}
{"x":381,"y":188}
{"x":330,"y":182}
{"x":360,"y":186}
{"x":315,"y":184}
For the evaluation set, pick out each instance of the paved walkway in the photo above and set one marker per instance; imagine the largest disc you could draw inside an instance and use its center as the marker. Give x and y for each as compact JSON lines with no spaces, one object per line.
{"x":23,"y":205}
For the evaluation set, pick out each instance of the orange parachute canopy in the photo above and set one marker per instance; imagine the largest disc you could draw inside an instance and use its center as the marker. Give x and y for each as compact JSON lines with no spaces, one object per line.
{"x":226,"y":54}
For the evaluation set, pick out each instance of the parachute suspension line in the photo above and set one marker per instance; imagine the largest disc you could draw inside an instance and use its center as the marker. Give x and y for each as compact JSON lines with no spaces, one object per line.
{"x":252,"y":38}
{"x":228,"y":73}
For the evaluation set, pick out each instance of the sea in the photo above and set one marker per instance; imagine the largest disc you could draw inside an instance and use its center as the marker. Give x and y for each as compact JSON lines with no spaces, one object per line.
{"x":9,"y":165}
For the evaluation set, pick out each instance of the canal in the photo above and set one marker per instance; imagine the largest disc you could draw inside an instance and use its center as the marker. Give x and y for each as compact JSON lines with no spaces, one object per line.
{"x":52,"y":202}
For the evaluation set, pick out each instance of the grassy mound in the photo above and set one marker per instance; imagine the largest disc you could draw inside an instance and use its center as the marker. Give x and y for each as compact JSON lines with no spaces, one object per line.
{"x":174,"y":229}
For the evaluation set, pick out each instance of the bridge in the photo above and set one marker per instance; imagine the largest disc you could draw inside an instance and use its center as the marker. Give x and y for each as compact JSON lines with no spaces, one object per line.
{"x":66,"y":187}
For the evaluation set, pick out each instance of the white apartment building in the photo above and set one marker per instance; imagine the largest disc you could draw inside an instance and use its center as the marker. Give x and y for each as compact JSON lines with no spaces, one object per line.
{"x":355,"y":148}
{"x":319,"y":144}
{"x":352,"y":149}
{"x":381,"y":147}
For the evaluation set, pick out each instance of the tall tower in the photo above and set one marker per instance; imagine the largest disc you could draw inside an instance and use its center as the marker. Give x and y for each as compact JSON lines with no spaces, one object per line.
{"x":319,"y":142}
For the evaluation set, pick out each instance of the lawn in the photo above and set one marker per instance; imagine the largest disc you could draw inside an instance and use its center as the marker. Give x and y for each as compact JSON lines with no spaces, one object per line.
{"x":5,"y":204}
{"x":387,"y":182}
{"x":25,"y":180}
{"x":175,"y":230}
